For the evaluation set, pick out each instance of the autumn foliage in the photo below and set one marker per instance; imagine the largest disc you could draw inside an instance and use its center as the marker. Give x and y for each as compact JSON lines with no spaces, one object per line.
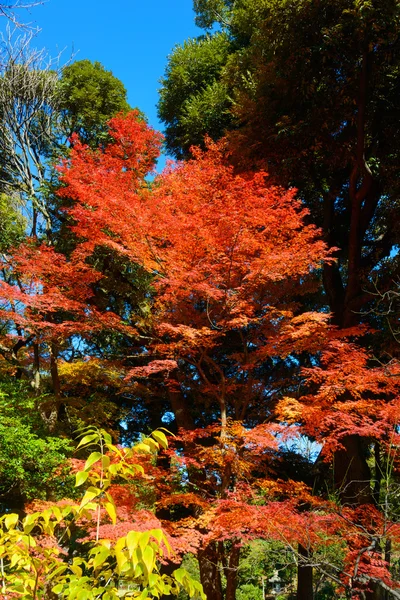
{"x":233,"y":264}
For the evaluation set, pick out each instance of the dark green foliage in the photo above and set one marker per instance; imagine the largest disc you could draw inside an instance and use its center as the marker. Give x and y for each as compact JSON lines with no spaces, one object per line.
{"x":32,"y":462}
{"x":90,"y":96}
{"x":193,"y":98}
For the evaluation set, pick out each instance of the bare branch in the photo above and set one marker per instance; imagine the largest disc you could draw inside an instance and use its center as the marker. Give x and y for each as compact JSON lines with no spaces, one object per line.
{"x":8,"y":10}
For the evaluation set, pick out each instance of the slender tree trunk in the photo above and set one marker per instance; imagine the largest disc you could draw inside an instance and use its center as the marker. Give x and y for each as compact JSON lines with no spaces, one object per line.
{"x":55,"y":377}
{"x":36,"y":368}
{"x":378,"y":472}
{"x":304,"y":576}
{"x":210,"y":575}
{"x":388,"y":558}
{"x":376,"y":592}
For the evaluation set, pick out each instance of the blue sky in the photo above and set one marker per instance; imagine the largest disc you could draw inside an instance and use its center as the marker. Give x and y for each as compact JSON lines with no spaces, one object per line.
{"x":131,"y":38}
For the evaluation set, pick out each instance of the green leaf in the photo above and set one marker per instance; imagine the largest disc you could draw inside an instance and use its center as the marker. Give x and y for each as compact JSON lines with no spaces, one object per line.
{"x":88,"y":439}
{"x":93,"y":458}
{"x":81,"y":477}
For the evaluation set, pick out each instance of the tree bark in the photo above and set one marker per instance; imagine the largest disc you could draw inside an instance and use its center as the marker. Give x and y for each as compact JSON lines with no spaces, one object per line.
{"x":180,"y":408}
{"x":305,"y":589}
{"x":351,"y":472}
{"x":208,"y":557}
{"x":231,"y":572}
{"x":55,"y":378}
{"x":210,"y":575}
{"x":36,"y":368}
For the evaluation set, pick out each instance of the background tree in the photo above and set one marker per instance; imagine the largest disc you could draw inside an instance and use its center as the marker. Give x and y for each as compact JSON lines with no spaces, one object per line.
{"x":90,"y":96}
{"x":41,"y":105}
{"x":193,"y":98}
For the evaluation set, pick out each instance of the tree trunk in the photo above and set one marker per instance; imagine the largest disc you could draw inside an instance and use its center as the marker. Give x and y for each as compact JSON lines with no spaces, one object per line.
{"x":352,"y":473}
{"x":210,"y":575}
{"x":180,"y":408}
{"x":304,"y":576}
{"x":36,"y":368}
{"x":55,"y":378}
{"x":231,"y":572}
{"x":388,"y":557}
{"x":376,"y":592}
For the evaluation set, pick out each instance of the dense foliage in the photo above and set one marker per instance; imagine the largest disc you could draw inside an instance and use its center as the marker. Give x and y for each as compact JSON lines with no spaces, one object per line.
{"x":255,"y":320}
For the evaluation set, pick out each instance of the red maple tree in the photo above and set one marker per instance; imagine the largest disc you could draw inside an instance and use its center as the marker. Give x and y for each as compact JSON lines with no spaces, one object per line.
{"x":231,"y":258}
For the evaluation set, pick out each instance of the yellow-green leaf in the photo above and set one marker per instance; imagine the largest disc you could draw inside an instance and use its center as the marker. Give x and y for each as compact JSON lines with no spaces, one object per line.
{"x":90,"y":494}
{"x":101,"y":556}
{"x":88,"y":439}
{"x":93,"y":458}
{"x":144,"y":539}
{"x":81,"y":477}
{"x":132,"y":540}
{"x":148,"y":558}
{"x":161,"y":438}
{"x":11,"y":520}
{"x":110,"y":508}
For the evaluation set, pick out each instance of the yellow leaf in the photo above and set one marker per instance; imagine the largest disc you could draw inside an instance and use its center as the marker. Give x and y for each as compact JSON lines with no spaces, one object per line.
{"x":11,"y":520}
{"x":110,"y":508}
{"x":160,"y":437}
{"x":148,"y":559}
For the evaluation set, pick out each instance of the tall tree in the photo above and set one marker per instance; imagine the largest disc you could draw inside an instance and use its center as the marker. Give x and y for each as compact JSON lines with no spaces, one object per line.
{"x":193,"y":97}
{"x":90,"y":96}
{"x":314,"y":91}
